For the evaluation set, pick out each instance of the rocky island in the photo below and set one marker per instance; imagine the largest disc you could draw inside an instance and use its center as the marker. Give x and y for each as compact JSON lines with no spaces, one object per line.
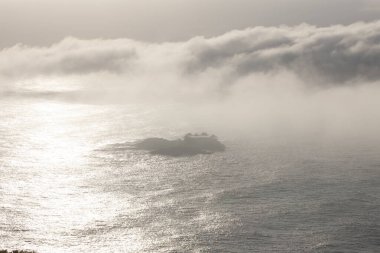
{"x":189,"y":145}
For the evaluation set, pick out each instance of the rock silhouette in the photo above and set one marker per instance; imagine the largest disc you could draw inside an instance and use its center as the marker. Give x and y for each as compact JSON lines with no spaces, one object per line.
{"x":191,"y":144}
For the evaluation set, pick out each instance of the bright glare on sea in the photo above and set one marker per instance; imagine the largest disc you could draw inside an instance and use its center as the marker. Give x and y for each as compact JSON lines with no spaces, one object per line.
{"x":64,"y":188}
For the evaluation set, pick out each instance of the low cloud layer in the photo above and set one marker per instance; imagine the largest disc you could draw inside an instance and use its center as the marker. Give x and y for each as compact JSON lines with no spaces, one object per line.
{"x":337,"y":54}
{"x":302,"y":78}
{"x":333,"y":55}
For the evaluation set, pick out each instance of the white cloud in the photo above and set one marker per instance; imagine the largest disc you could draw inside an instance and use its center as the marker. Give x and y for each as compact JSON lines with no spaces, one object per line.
{"x":301,"y":78}
{"x":335,"y":55}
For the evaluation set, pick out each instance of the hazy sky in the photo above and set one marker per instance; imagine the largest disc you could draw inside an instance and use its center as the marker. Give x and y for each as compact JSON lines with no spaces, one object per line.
{"x":42,"y":22}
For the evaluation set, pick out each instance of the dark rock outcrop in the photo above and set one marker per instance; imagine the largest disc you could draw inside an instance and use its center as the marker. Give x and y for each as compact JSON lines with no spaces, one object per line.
{"x":188,"y":146}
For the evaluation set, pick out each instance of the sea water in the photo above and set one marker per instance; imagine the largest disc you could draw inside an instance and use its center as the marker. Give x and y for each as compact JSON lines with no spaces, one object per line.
{"x":64,"y":188}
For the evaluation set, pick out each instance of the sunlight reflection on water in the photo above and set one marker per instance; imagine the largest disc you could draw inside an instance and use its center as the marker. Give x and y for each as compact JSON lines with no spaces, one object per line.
{"x":63,"y":190}
{"x":47,"y":185}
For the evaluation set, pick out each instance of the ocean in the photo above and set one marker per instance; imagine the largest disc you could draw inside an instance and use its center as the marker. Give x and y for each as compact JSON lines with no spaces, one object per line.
{"x":65,"y":187}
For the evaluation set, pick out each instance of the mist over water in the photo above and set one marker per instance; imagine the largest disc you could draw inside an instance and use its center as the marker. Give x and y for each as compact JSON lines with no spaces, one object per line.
{"x":300,"y":79}
{"x":297,"y":108}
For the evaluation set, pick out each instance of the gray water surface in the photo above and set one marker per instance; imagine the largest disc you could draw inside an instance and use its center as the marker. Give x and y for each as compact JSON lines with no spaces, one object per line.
{"x":63,"y":189}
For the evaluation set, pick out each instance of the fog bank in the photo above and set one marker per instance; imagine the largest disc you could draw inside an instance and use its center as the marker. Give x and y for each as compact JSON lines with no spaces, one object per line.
{"x":265,"y":80}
